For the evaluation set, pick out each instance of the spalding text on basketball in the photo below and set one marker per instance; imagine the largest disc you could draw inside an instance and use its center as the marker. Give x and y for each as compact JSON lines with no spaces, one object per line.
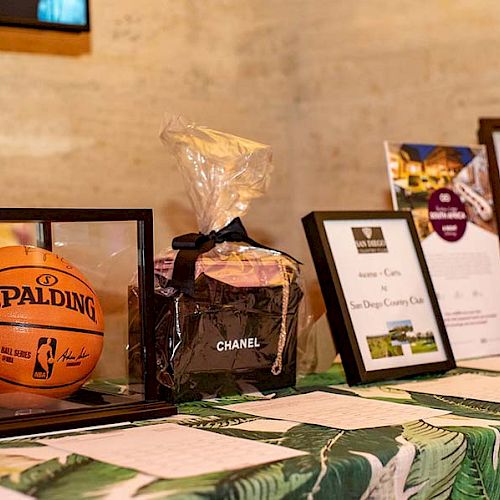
{"x":26,"y":295}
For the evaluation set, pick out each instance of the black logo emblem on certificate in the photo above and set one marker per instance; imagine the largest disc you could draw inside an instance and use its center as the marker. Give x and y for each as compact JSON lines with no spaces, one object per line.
{"x":45,"y":357}
{"x":369,"y":239}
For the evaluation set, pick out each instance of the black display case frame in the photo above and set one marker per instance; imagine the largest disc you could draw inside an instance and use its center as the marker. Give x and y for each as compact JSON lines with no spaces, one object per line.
{"x":152,"y":405}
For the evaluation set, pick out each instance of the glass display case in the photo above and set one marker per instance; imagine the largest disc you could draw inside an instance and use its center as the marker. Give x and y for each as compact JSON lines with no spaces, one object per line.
{"x":66,"y":357}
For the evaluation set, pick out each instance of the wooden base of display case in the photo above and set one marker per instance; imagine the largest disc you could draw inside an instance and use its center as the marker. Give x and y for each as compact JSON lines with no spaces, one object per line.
{"x":74,"y":419}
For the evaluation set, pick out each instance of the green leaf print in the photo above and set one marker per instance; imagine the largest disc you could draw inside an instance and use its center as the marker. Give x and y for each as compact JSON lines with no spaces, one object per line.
{"x":272,"y":481}
{"x":214,"y":422}
{"x":78,"y":478}
{"x":309,"y":438}
{"x":459,"y":406}
{"x":203,"y":409}
{"x":334,"y":375}
{"x":268,"y":481}
{"x":262,"y":436}
{"x":479,"y":476}
{"x":188,"y":488}
{"x":332,"y":470}
{"x":20,"y":443}
{"x":342,"y":458}
{"x":389,"y":481}
{"x":30,"y":478}
{"x":440,"y":453}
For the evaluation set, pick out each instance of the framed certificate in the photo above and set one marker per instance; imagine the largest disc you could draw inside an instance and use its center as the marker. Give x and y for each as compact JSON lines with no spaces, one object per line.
{"x":380,"y":302}
{"x":489,"y":135}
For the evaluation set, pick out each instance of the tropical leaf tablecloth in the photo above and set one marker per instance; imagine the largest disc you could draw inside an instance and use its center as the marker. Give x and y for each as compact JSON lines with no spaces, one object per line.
{"x":451,"y":456}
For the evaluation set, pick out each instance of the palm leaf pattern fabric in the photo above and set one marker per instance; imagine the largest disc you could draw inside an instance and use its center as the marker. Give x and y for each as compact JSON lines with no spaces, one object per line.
{"x":453,"y":456}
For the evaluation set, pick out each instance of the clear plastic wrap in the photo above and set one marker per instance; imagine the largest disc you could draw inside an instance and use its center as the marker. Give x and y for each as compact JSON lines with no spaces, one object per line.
{"x":234,"y":329}
{"x":222,"y":173}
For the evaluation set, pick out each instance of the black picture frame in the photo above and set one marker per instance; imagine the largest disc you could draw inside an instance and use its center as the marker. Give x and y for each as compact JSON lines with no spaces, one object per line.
{"x":153,"y":404}
{"x":28,"y":21}
{"x":337,"y":310}
{"x":486,"y":130}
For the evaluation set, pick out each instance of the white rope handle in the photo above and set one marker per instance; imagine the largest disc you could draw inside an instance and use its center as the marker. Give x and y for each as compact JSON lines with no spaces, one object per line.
{"x":278,"y":362}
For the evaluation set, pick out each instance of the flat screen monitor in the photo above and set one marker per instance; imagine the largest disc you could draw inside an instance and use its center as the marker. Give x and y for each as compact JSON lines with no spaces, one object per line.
{"x":67,"y":15}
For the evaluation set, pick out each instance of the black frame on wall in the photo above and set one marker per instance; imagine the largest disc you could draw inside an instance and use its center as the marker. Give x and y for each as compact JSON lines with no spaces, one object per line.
{"x":20,"y":21}
{"x":151,"y":406}
{"x":487,"y":128}
{"x":337,"y":310}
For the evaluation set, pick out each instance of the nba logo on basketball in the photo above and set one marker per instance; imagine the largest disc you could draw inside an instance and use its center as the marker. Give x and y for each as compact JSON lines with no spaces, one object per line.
{"x":45,"y":358}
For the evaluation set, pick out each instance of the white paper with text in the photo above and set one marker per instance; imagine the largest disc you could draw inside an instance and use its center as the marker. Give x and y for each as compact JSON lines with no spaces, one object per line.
{"x":336,"y":410}
{"x":172,"y":450}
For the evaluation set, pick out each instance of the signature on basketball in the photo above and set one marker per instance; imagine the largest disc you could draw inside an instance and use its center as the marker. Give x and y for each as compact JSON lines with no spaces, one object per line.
{"x":68,"y":355}
{"x":46,"y":255}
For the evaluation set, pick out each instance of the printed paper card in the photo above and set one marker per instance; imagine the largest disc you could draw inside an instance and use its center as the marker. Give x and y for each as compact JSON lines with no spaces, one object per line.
{"x":490,"y":363}
{"x":172,"y":450}
{"x":336,"y":410}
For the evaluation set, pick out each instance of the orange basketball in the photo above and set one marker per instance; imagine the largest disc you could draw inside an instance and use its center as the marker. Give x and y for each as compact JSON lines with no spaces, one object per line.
{"x":51,"y":323}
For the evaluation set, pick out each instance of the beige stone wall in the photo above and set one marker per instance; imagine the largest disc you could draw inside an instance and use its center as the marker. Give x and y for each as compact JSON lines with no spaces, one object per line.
{"x":323,"y":81}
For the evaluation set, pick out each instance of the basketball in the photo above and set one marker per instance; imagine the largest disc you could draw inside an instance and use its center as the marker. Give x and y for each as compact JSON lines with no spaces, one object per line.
{"x":51,"y":324}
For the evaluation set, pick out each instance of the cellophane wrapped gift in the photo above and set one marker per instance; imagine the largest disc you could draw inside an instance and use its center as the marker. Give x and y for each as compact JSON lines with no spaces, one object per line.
{"x":226,"y":306}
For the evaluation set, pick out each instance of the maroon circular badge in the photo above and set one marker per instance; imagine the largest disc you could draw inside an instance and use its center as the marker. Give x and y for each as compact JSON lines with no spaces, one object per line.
{"x":447,"y":214}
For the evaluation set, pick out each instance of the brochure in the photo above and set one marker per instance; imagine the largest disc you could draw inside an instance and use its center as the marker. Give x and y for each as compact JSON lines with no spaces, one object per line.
{"x":448,"y":191}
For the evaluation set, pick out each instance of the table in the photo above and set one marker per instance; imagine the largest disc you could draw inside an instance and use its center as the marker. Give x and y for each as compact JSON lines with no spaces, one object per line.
{"x":452,"y":456}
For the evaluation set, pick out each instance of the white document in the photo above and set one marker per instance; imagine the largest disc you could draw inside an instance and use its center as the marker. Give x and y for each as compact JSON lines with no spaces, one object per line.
{"x":468,"y":385}
{"x":466,"y":275}
{"x":335,"y":410}
{"x":172,"y":450}
{"x":491,"y":363}
{"x":7,"y":494}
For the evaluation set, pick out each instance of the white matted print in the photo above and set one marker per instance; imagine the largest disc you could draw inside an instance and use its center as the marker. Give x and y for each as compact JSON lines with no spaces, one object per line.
{"x":385,"y":292}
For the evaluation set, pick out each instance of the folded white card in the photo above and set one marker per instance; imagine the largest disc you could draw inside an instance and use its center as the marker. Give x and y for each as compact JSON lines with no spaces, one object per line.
{"x":468,"y":386}
{"x":335,"y":410}
{"x":172,"y":450}
{"x":491,"y":363}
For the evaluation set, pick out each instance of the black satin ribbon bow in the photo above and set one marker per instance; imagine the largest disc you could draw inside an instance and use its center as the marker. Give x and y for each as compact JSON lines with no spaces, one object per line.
{"x":192,"y":245}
